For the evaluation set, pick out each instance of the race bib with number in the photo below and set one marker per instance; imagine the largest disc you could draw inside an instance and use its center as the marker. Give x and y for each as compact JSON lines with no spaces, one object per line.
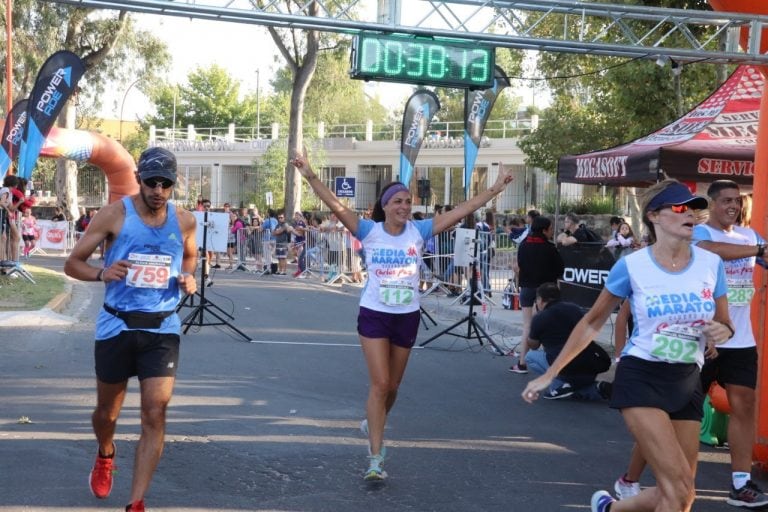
{"x":677,"y":344}
{"x":395,"y":293}
{"x":149,"y":271}
{"x":740,"y":292}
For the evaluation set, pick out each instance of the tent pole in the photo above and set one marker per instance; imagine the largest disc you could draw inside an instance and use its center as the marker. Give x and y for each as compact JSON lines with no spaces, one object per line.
{"x":557,"y":205}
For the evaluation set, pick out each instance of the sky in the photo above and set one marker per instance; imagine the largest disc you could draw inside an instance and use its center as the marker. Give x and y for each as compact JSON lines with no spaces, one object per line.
{"x":242,"y":49}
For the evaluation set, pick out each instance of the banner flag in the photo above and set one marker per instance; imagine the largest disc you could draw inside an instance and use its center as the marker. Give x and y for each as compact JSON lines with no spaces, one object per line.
{"x":419,"y":111}
{"x":12,"y":132}
{"x":55,"y":83}
{"x":477,"y":109}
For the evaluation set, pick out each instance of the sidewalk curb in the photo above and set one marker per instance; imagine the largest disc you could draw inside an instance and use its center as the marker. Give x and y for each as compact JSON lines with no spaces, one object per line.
{"x":62,"y":300}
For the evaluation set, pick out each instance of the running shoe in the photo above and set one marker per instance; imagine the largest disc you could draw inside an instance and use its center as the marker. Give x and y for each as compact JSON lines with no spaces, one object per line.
{"x":625,"y":489}
{"x":519,"y":368}
{"x":749,"y":496}
{"x":297,"y":273}
{"x":100,"y":479}
{"x":364,"y":427}
{"x":136,"y":506}
{"x":375,"y":472}
{"x":601,"y":500}
{"x":605,"y":389}
{"x":563,"y":391}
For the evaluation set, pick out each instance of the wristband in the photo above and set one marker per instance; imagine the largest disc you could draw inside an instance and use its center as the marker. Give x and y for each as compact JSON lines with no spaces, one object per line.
{"x":733,"y":333}
{"x":760,"y":250}
{"x":100,"y":275}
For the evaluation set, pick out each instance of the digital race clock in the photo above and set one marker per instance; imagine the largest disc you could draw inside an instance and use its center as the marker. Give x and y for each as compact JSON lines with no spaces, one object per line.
{"x":424,"y":61}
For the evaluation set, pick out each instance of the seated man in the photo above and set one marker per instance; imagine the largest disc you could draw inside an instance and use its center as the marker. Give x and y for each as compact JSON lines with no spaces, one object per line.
{"x":550,"y":328}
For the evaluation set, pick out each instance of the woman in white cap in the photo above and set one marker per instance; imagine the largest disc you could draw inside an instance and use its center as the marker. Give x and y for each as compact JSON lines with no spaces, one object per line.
{"x":677,"y":293}
{"x":389,"y":316}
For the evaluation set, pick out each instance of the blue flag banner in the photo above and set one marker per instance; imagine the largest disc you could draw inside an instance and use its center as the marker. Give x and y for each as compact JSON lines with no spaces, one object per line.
{"x":419,"y":111}
{"x":55,"y":83}
{"x":477,"y":109}
{"x":12,"y":132}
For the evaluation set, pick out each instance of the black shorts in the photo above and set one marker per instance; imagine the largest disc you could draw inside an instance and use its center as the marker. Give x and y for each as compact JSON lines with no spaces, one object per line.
{"x":28,"y":238}
{"x":231,"y":245}
{"x":141,"y":353}
{"x":400,"y":329}
{"x":731,"y":366}
{"x":527,"y":297}
{"x":673,"y":388}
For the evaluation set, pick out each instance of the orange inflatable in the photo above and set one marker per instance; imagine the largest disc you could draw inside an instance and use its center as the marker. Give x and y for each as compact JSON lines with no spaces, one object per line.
{"x":106,"y":154}
{"x":759,"y":223}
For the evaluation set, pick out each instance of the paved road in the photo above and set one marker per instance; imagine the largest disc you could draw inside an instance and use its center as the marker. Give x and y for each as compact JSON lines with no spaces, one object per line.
{"x":272,"y":425}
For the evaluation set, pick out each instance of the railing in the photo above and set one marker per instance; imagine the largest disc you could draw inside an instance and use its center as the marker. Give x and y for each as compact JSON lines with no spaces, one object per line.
{"x":223,"y":135}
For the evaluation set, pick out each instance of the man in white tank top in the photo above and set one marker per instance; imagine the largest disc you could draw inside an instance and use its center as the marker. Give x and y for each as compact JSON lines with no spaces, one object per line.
{"x":735,"y":368}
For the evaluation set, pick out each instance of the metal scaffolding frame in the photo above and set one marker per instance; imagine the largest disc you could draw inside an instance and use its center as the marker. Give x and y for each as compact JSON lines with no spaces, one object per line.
{"x":684,"y":35}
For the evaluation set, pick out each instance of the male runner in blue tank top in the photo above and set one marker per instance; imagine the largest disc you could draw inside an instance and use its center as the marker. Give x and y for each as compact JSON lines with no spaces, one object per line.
{"x":150,"y":261}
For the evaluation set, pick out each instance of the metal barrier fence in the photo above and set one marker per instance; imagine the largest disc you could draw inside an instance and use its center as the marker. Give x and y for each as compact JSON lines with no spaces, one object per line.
{"x":494,"y":265}
{"x":336,"y":256}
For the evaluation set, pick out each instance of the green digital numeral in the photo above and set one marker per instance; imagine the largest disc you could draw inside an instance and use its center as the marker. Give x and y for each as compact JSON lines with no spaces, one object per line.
{"x":414,"y":65}
{"x":393,"y":58}
{"x":436,"y":62}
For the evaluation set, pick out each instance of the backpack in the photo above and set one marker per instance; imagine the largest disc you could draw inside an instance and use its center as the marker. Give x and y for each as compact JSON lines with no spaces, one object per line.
{"x":586,"y":234}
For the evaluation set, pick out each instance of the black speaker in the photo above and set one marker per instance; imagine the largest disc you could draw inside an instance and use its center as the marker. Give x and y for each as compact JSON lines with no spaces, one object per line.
{"x":424,"y":189}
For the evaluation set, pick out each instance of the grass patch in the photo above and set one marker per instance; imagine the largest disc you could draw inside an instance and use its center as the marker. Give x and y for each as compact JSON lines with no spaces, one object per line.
{"x":18,"y":294}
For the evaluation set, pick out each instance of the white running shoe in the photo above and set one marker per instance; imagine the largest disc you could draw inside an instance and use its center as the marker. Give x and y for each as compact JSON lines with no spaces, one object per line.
{"x":626,"y":489}
{"x":364,"y":427}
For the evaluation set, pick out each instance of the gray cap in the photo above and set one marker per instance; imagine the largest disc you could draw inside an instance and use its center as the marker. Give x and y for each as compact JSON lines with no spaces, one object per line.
{"x":157,"y":163}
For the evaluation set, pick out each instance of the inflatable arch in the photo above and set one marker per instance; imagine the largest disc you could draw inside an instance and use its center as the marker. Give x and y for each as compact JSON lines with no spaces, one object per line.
{"x":759,"y":223}
{"x":107,"y":154}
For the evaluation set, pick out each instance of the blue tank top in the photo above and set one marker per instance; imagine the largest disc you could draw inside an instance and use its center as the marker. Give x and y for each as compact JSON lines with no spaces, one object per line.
{"x":155,"y":254}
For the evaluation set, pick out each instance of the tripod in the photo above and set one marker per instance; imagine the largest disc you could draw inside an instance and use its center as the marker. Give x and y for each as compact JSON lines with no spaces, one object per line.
{"x":197,"y":316}
{"x":474,"y":330}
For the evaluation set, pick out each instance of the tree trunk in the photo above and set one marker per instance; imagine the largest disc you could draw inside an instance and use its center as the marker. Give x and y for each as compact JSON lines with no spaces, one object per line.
{"x":296,"y":133}
{"x":66,"y":170}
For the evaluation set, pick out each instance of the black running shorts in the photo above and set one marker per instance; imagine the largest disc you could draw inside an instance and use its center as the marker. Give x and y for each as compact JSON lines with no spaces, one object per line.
{"x":141,"y":353}
{"x":673,"y":388}
{"x":736,"y":366}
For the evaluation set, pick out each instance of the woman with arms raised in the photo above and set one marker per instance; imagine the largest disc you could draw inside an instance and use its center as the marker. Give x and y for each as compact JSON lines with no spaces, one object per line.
{"x":389,"y":316}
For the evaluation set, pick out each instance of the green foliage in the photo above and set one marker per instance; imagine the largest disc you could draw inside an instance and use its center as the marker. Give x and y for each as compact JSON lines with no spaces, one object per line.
{"x":600,"y":102}
{"x":210,"y":98}
{"x":270,"y":177}
{"x":113,"y":50}
{"x":332,"y":97}
{"x":591,"y":205}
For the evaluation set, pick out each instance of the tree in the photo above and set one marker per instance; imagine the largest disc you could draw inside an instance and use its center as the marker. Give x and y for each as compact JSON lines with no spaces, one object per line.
{"x":210,"y":98}
{"x":452,"y":100}
{"x":332,"y":97}
{"x":112,"y":50}
{"x":599,"y":102}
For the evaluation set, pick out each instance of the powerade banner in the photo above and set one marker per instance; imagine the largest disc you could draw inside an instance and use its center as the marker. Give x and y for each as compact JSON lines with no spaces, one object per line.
{"x":55,"y":83}
{"x":419,"y":110}
{"x":12,"y":133}
{"x":586,"y":268}
{"x":477,"y":109}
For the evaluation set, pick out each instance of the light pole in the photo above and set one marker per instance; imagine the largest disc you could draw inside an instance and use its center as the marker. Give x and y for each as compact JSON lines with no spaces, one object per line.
{"x":122,"y":106}
{"x":258,"y":106}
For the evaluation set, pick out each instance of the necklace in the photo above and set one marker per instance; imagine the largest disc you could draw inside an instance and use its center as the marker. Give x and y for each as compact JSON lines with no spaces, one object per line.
{"x":673,"y":259}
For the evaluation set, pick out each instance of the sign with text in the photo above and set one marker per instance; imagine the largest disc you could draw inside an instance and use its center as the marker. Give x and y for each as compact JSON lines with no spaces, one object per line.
{"x":345,"y":187}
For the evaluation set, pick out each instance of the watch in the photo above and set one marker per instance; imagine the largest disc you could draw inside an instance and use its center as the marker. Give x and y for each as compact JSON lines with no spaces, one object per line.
{"x":760,"y":250}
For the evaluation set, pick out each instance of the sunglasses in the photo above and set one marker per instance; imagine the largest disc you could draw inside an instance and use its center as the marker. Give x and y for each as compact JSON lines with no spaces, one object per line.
{"x":679,"y":208}
{"x":154,"y":182}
